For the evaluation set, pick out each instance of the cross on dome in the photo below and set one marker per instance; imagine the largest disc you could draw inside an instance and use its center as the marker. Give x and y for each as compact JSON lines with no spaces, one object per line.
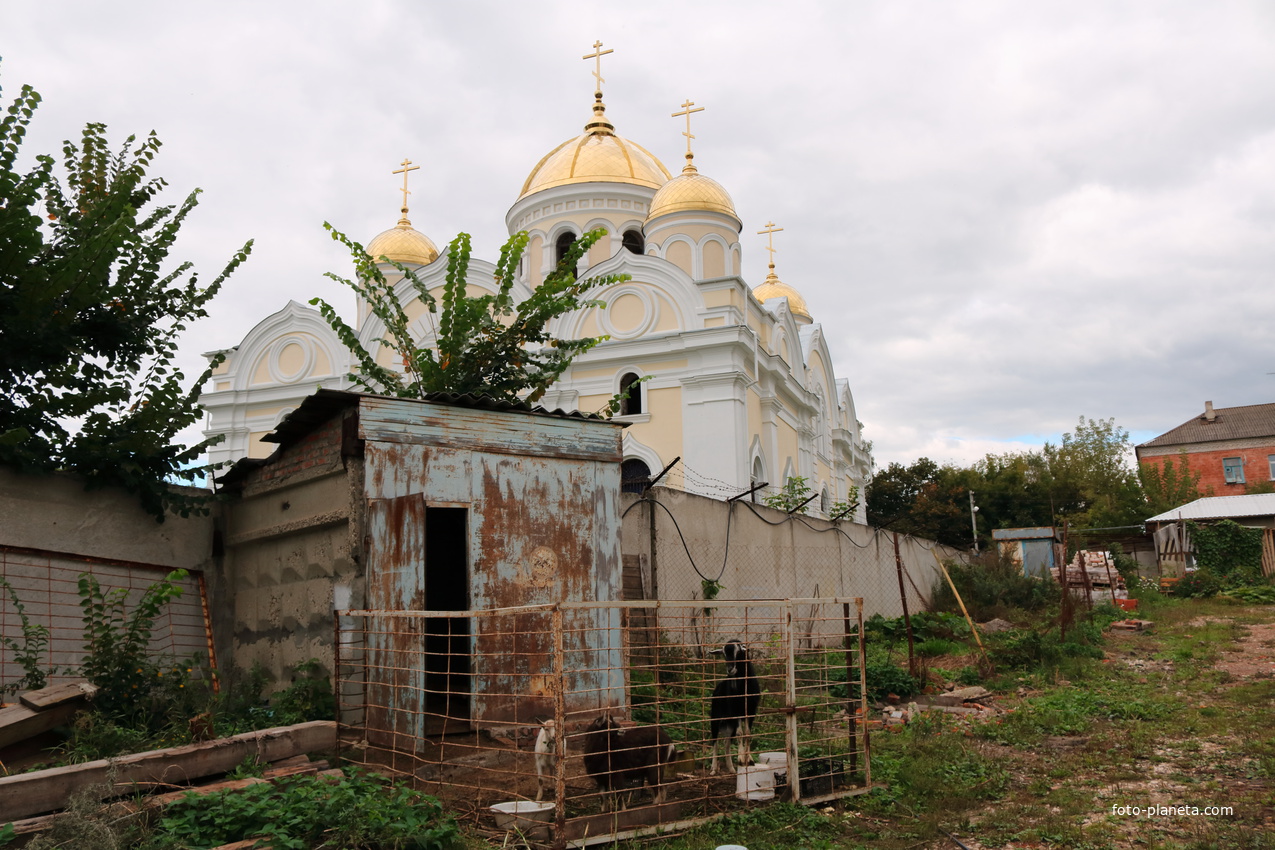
{"x":769,"y":233}
{"x":687,"y":110}
{"x":407,"y":167}
{"x":597,"y":54}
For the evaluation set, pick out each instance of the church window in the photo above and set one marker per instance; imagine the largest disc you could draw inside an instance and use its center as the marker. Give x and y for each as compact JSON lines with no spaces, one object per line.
{"x":565,"y":240}
{"x":758,"y":476}
{"x":824,"y":502}
{"x":635,"y":475}
{"x":634,"y":242}
{"x":632,"y":405}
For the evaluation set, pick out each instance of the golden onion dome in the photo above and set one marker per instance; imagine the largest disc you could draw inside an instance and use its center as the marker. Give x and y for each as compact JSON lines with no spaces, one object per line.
{"x":596,"y":156}
{"x":692,"y":191}
{"x":773,"y":287}
{"x":404,"y":244}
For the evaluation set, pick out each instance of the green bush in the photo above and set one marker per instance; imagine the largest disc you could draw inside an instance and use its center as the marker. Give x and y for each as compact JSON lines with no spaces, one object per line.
{"x":992,"y":587}
{"x":1226,"y":546}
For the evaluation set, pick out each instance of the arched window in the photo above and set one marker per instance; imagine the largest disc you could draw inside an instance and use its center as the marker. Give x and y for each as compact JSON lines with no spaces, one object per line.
{"x":632,"y":405}
{"x":560,"y":248}
{"x":635,"y":475}
{"x":634,"y":242}
{"x":758,"y":477}
{"x":824,"y":502}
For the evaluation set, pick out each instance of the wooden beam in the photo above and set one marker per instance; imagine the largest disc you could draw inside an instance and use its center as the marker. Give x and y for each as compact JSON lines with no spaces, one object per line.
{"x":17,"y":722}
{"x":29,"y":794}
{"x":57,"y":694}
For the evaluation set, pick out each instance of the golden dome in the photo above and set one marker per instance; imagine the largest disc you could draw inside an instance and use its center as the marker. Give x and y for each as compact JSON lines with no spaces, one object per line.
{"x":596,"y":156}
{"x":773,"y":287}
{"x":692,"y":191}
{"x":404,"y":244}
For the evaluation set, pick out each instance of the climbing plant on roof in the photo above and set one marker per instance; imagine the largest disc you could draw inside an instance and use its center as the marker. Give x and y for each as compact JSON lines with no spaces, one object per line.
{"x":486,"y":344}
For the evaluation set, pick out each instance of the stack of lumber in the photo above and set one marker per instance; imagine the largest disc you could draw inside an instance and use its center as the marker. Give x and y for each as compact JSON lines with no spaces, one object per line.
{"x":39,"y":711}
{"x":30,"y":800}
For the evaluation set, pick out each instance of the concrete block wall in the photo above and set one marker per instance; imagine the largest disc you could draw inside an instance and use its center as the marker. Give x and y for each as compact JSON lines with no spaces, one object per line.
{"x":52,"y":530}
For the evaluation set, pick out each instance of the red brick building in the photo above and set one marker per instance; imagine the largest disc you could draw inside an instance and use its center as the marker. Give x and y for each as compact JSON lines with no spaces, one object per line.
{"x":1233,"y":448}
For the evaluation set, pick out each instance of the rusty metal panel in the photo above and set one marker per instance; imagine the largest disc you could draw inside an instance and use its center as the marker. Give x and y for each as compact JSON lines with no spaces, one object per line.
{"x":543,"y":497}
{"x":396,"y":582}
{"x":387,"y":420}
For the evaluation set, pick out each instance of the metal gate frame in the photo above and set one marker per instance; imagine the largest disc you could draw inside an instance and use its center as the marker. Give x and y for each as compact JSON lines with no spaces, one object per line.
{"x":832,"y":625}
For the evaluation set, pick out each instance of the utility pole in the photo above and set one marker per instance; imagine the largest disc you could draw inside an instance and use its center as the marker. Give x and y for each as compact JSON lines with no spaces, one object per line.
{"x":973,"y":524}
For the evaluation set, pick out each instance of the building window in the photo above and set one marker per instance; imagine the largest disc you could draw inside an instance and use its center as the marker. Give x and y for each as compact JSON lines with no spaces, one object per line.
{"x":635,"y":475}
{"x":565,"y":240}
{"x":632,"y":405}
{"x":634,"y":242}
{"x":1233,"y":470}
{"x":1271,"y":460}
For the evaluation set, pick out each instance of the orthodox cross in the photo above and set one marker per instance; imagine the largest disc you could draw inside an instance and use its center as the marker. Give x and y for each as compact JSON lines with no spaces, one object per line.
{"x":597,"y":54}
{"x":407,"y":166}
{"x":770,"y":232}
{"x":686,"y":110}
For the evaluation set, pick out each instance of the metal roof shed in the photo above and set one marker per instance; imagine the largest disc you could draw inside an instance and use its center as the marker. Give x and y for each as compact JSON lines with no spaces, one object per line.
{"x":1032,"y":548}
{"x":448,"y":504}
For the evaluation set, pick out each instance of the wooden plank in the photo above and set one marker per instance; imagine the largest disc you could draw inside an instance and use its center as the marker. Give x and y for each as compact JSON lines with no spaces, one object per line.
{"x":17,"y":722}
{"x":57,"y":694}
{"x":31,"y":794}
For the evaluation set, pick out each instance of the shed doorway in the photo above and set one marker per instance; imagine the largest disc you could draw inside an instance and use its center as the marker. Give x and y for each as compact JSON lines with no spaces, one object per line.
{"x":447,"y":639}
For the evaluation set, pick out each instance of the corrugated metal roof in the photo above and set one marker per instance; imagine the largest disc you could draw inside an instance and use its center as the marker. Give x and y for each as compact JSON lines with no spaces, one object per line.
{"x":1035,"y":533}
{"x":1222,"y":507}
{"x":324,"y":403}
{"x":1230,"y":423}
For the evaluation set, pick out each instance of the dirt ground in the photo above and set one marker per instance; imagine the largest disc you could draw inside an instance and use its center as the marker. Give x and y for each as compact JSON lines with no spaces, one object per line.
{"x":1216,"y":753}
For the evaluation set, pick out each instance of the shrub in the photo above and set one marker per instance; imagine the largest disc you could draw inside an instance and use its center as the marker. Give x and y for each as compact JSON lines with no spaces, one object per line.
{"x":360,"y":811}
{"x":992,"y":587}
{"x":1225,"y":546}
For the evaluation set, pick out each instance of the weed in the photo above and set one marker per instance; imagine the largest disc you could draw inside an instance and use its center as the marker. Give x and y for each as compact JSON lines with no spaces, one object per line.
{"x":117,"y":644}
{"x":360,"y":811}
{"x":35,"y":642}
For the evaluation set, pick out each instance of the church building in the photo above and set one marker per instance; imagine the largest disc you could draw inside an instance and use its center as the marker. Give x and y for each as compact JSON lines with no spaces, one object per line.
{"x":740,"y":382}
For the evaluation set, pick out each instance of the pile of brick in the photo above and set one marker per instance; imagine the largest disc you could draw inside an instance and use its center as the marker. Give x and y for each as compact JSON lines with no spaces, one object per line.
{"x":1093,"y":571}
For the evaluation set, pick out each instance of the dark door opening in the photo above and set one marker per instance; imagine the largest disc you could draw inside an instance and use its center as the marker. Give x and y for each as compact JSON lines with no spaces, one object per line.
{"x":447,"y":649}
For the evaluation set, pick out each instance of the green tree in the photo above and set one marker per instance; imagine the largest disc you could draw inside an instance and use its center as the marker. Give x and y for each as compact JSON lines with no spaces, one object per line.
{"x":89,"y":317}
{"x":1086,"y":480}
{"x":1167,"y":486}
{"x":1093,"y":476}
{"x":486,"y":344}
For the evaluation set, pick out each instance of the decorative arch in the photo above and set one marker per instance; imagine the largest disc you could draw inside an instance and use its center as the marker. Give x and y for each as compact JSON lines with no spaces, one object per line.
{"x":630,"y":380}
{"x":660,"y":285}
{"x":633,"y":448}
{"x":704,"y":255}
{"x":293,"y":325}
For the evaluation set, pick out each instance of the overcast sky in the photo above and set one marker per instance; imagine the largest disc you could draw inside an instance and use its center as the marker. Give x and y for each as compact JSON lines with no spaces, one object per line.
{"x":1005,"y":215}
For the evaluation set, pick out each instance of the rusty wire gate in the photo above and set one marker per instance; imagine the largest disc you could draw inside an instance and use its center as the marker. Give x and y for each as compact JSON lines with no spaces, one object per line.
{"x":455,"y":703}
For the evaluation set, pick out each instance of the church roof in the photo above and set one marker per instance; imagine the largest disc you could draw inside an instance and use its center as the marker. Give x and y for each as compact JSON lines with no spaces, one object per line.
{"x":404,"y":244}
{"x":773,"y":287}
{"x":691,"y":191}
{"x":598,"y":155}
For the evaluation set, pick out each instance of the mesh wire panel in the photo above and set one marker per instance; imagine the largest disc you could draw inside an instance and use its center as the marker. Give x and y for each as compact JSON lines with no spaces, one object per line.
{"x":640,"y":715}
{"x":46,"y":585}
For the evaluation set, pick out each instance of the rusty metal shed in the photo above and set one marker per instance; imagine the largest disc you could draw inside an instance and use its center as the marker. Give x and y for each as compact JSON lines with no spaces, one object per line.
{"x":450,"y":503}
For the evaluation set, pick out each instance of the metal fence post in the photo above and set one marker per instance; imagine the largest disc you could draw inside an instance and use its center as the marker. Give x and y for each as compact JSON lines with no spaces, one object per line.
{"x":794,"y":765}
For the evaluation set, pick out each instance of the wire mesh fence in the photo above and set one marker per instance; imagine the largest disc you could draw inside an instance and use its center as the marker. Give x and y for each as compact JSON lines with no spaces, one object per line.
{"x":43,"y":591}
{"x":579,"y":723}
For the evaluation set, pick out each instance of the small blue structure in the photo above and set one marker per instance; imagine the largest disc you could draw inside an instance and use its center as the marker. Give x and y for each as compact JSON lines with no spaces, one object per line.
{"x":1031,"y":548}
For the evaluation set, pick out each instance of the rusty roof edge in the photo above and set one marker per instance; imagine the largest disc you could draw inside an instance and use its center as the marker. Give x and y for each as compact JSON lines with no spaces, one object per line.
{"x":324,"y":403}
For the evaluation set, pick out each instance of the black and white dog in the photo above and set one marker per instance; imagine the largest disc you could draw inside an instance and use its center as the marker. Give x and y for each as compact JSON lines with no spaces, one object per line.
{"x":734,"y":703}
